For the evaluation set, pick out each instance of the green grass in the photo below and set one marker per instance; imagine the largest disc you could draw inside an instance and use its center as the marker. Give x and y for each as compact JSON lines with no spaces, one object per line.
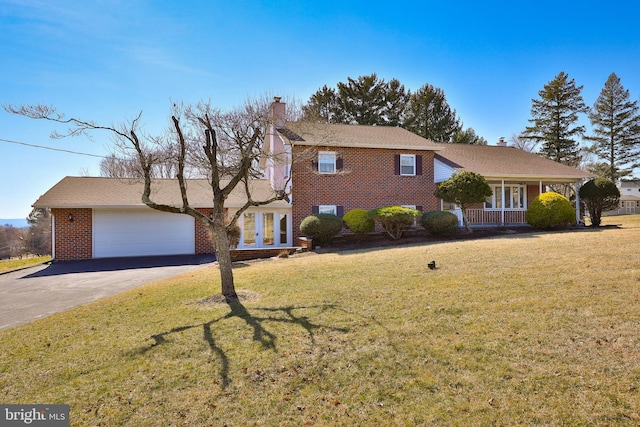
{"x":17,"y":264}
{"x":538,"y":329}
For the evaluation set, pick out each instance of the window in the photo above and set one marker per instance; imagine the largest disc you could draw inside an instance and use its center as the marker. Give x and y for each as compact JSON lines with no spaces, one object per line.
{"x":327,"y":162}
{"x":514,"y":197}
{"x":328,"y":209}
{"x":407,"y":164}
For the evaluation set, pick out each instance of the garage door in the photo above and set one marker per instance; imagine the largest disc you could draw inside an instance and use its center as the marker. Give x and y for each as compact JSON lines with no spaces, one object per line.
{"x":118,"y":233}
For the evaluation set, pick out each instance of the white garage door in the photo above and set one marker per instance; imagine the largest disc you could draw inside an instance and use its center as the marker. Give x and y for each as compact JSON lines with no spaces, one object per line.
{"x":118,"y":233}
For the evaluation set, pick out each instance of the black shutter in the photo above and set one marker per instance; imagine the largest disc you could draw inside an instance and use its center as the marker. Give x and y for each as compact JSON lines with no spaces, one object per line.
{"x":315,"y":210}
{"x":396,"y":164}
{"x":340,"y":211}
{"x":339,"y":164}
{"x":314,"y":165}
{"x":419,"y":208}
{"x":418,"y":165}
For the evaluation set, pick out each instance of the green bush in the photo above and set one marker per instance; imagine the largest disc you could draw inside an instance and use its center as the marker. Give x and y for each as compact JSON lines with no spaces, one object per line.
{"x":439,"y":223}
{"x":394,"y":219}
{"x":550,"y":210}
{"x":322,"y":227}
{"x":599,"y":195}
{"x":359,"y":221}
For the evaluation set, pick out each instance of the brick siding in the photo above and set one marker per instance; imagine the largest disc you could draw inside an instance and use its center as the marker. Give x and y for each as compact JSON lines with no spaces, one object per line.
{"x":367,"y":181}
{"x":204,"y":241}
{"x":73,"y":238}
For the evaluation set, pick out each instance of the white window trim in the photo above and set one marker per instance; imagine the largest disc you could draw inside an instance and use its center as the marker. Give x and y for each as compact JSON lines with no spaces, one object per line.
{"x":334,"y":157}
{"x":331,"y":209}
{"x":497,"y":197}
{"x":413,"y":157}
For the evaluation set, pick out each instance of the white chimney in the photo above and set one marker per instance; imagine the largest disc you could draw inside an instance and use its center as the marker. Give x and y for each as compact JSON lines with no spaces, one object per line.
{"x":278,"y":112}
{"x":501,"y":142}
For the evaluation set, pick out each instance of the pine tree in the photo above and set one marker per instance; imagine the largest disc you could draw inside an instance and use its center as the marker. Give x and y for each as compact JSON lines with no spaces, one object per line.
{"x":554,"y":117}
{"x":362,"y":101}
{"x":616,"y":129}
{"x":430,"y":116}
{"x":321,"y":106}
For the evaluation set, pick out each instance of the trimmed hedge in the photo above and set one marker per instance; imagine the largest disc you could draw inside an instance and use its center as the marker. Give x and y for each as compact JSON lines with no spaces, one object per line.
{"x":439,"y":223}
{"x":359,"y":221}
{"x":394,"y":219}
{"x":322,"y":227}
{"x":550,"y":210}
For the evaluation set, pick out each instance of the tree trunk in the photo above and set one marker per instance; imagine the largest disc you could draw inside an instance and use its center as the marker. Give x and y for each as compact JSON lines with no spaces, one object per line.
{"x":223,"y":256}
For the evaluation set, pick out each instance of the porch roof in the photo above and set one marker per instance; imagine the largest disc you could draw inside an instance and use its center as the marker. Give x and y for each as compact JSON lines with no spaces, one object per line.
{"x":101,"y":192}
{"x":495,"y":162}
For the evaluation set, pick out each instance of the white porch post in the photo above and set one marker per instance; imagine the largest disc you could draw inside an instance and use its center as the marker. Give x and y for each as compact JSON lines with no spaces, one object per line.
{"x":502,"y":207}
{"x":577,"y":189}
{"x":540,"y":187}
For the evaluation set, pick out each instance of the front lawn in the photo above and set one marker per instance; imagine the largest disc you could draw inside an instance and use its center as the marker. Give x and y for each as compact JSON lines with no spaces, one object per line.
{"x":530,"y":329}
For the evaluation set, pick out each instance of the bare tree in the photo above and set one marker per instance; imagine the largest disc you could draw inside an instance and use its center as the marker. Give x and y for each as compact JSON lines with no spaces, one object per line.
{"x":522,"y":143}
{"x":228,"y":143}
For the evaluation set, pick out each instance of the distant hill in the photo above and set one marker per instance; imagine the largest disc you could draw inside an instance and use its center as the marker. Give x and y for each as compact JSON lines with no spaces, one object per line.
{"x":16,"y":222}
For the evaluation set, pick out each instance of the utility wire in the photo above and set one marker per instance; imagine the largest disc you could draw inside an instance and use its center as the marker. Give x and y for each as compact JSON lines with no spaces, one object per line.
{"x":54,"y":149}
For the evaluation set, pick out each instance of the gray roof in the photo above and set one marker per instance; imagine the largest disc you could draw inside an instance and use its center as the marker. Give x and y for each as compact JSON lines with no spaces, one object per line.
{"x":100,"y":192}
{"x":359,"y":136}
{"x":505,"y":162}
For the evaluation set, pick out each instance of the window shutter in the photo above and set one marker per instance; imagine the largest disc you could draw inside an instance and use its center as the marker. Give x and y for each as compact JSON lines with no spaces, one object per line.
{"x":419,"y":208}
{"x":315,"y":210}
{"x":340,"y":211}
{"x":339,"y":164}
{"x":314,"y":165}
{"x":418,"y":165}
{"x":396,"y":164}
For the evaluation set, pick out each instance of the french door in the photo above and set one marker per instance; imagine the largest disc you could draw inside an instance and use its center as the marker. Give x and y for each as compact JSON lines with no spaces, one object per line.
{"x":265,"y":229}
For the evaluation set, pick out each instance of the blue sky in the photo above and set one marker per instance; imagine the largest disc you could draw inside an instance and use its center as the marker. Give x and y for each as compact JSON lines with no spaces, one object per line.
{"x":108,"y":60}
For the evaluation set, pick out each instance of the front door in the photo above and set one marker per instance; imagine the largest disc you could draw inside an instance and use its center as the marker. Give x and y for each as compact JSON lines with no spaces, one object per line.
{"x":264,"y":229}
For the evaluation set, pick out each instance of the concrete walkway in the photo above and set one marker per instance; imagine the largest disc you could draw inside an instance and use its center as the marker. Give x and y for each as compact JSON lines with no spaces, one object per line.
{"x":37,"y":292}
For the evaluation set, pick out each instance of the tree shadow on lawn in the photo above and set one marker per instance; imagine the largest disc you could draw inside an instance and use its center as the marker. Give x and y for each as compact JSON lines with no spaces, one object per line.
{"x":261,"y":334}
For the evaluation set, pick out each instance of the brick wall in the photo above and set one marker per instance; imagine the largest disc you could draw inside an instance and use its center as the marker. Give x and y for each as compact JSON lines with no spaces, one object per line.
{"x":73,"y":239}
{"x":204,"y":242}
{"x":366,"y":182}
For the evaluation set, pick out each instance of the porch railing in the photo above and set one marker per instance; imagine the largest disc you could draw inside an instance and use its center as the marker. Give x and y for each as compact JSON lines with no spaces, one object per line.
{"x":483,"y":217}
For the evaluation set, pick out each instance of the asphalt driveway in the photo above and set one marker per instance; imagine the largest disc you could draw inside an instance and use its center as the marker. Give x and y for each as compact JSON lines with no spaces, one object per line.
{"x":37,"y":292}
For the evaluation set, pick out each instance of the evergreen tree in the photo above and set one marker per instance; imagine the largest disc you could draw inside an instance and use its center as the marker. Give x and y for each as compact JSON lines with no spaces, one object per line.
{"x":554,"y":120}
{"x":468,"y":136}
{"x":362,"y":101}
{"x":430,"y":116}
{"x":396,"y":100}
{"x":322,"y":106}
{"x":616,"y":129}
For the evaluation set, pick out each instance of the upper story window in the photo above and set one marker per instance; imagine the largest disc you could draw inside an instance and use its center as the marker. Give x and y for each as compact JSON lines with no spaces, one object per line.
{"x":327,"y":162}
{"x":407,"y":164}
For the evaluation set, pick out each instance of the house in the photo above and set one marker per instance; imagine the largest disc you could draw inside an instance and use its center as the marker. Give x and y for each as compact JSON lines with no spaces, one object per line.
{"x":328,"y":168}
{"x":629,"y":198}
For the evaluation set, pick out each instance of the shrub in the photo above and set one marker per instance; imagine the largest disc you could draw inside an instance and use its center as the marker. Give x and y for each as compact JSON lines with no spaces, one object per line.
{"x":439,"y":223}
{"x":322,"y":227}
{"x":550,"y":210}
{"x":394,"y":219}
{"x":359,"y":221}
{"x":464,"y":189}
{"x":599,"y":195}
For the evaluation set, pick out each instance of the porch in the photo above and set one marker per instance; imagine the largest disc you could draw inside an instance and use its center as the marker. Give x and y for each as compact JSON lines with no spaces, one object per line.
{"x":482,"y":217}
